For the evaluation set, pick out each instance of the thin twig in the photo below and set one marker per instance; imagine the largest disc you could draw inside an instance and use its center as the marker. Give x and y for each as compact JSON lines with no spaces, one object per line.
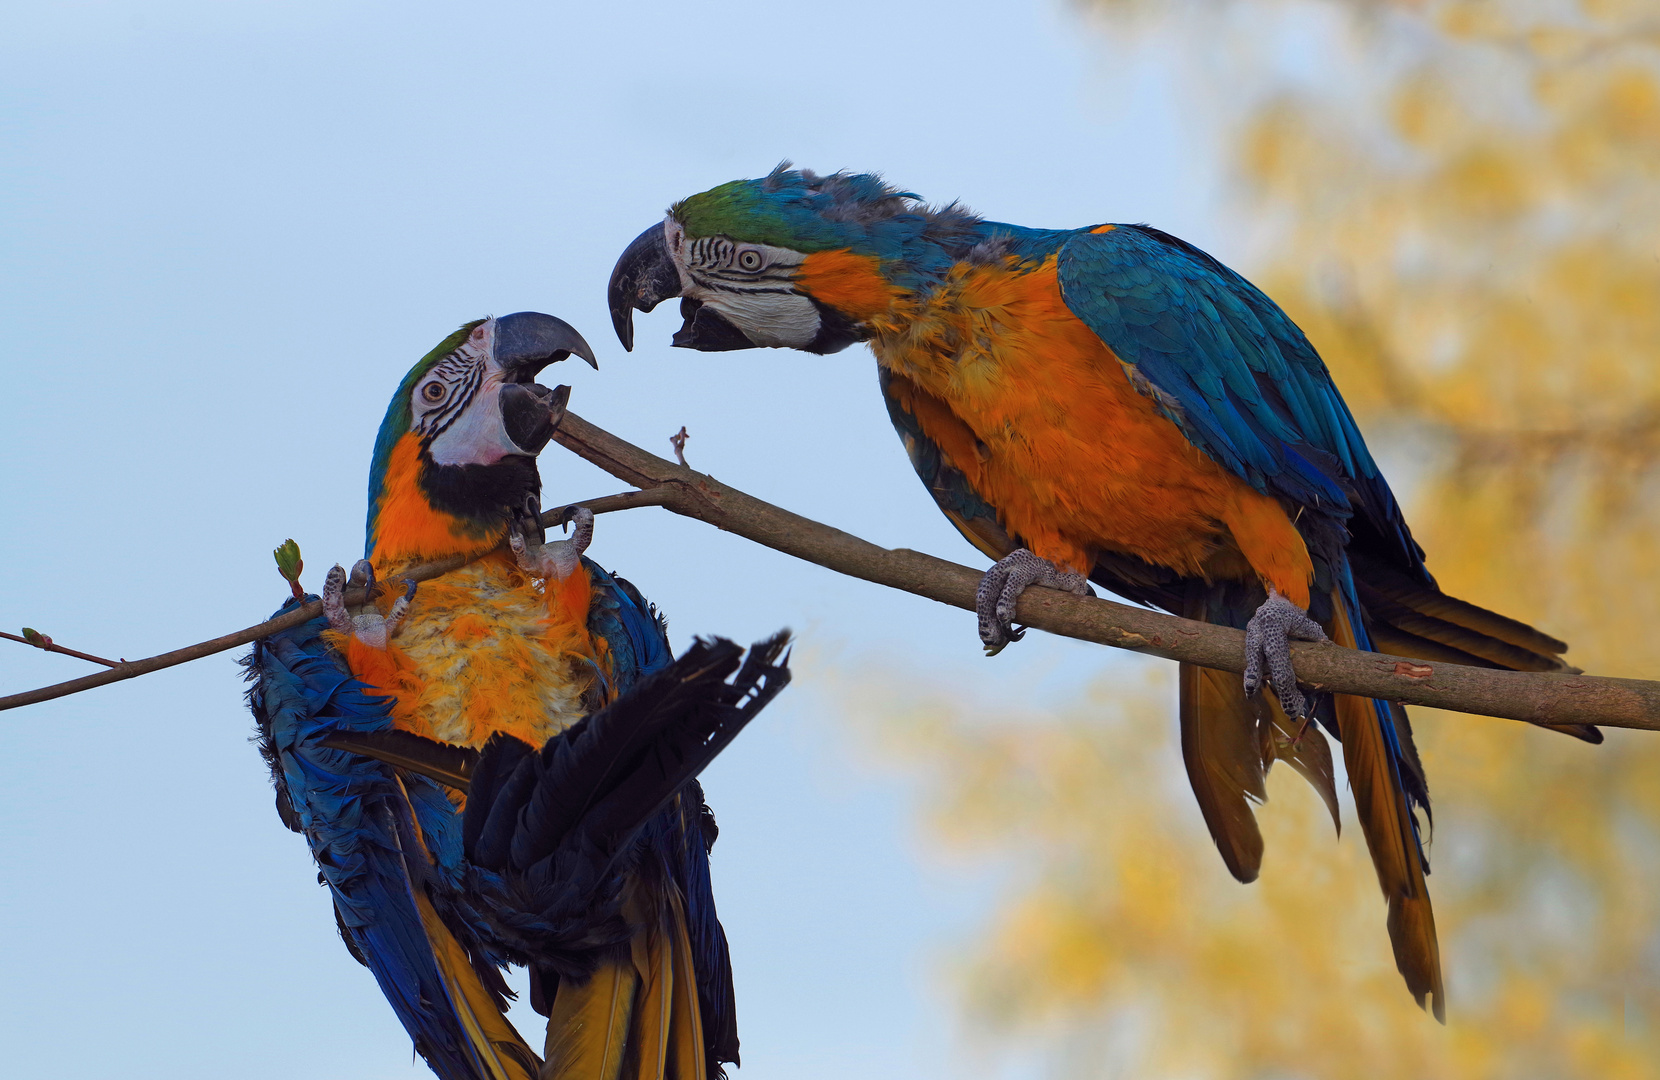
{"x":1534,"y":697}
{"x":605,"y":504}
{"x":52,"y":646}
{"x":304,"y":613}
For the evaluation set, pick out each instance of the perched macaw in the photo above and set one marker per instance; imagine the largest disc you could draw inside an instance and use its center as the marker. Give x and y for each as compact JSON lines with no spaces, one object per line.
{"x":498,"y":765}
{"x":1111,"y":404}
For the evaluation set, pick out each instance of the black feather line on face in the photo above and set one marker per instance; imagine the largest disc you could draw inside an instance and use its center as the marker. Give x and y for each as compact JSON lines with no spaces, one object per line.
{"x":483,"y":496}
{"x":461,"y":377}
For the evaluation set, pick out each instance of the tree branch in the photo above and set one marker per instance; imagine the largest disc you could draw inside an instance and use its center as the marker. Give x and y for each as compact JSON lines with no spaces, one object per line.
{"x":1534,"y":697}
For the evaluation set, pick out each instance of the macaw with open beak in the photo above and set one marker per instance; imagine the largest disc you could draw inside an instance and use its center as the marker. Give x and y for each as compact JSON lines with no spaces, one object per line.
{"x":498,"y":766}
{"x":1112,"y":404}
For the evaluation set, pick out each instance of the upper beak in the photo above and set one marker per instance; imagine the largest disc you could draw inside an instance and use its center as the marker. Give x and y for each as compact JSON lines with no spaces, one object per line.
{"x":528,"y":341}
{"x":644,"y":276}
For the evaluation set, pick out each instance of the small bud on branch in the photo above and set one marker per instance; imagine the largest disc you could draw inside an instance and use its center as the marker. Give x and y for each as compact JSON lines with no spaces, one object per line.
{"x":289,"y":565}
{"x":34,"y":637}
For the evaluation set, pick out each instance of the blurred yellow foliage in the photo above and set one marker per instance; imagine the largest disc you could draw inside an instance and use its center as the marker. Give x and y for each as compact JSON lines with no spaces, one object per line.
{"x":1472,"y":239}
{"x":1477,"y":255}
{"x":1126,"y":934}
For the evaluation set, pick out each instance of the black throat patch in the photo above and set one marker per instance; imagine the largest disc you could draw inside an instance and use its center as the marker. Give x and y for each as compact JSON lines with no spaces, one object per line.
{"x":483,"y":496}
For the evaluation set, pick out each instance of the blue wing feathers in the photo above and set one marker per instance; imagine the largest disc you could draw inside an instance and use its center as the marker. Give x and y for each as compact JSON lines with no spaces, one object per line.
{"x":345,"y":806}
{"x":1251,"y":392}
{"x":357,"y":816}
{"x":635,"y":632}
{"x":1235,"y":374}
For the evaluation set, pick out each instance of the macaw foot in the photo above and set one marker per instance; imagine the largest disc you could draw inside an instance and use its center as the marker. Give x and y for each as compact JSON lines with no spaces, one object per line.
{"x":1268,"y":638}
{"x":557,"y":559}
{"x":368,"y":625}
{"x":1000,"y":589}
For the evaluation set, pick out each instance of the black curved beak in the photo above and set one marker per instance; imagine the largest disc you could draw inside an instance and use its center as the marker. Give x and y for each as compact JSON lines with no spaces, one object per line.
{"x":531,"y":412}
{"x":528,"y":341}
{"x":644,"y":277}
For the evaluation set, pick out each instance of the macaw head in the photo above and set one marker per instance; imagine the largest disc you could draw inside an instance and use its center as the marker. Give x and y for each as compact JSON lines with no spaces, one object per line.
{"x":455,"y":460}
{"x":792,"y":260}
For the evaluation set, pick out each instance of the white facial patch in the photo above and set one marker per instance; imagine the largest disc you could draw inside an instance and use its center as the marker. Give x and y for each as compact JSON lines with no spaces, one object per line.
{"x":456,"y":405}
{"x":752,"y":285}
{"x":787,"y":322}
{"x":479,"y":434}
{"x":674,"y":234}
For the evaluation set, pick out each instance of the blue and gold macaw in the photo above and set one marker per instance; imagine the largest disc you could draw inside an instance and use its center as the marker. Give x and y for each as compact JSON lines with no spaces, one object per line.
{"x":1111,"y":404}
{"x":498,"y":766}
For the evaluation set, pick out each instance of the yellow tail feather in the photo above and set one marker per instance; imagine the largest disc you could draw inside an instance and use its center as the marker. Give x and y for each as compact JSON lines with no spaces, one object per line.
{"x":1386,"y":823}
{"x":588,"y":1025}
{"x":1303,"y":746}
{"x":1224,"y":763}
{"x":687,"y":1058}
{"x":495,"y":1042}
{"x":654,"y":960}
{"x":637,"y":1018}
{"x":494,"y":1039}
{"x":1229,"y":742}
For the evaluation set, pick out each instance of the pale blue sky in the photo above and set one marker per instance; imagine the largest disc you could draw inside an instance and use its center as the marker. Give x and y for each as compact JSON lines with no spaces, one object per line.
{"x":226,"y":229}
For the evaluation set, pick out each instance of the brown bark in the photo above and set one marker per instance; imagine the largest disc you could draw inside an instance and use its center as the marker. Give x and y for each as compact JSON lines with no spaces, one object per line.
{"x":1540,"y":698}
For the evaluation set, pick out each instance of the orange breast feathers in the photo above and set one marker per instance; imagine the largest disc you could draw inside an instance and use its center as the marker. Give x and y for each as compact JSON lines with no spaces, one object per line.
{"x":408,"y":528}
{"x":485,"y":649}
{"x":1038,"y":414}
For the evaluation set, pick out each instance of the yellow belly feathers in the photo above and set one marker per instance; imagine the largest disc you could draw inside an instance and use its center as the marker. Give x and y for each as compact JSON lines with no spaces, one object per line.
{"x":487,"y":648}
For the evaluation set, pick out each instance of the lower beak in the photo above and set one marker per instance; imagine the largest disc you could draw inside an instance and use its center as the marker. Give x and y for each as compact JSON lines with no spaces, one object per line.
{"x":645,"y":276}
{"x":707,"y":330}
{"x":530,"y":412}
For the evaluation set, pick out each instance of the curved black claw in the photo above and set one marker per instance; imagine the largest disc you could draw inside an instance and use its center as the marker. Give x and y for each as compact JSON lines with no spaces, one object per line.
{"x":400,"y":608}
{"x":559,"y":558}
{"x":1000,"y":589}
{"x":1268,"y":638}
{"x":368,"y":625}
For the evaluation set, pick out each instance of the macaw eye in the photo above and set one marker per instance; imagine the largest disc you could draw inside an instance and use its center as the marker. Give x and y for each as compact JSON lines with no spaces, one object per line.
{"x":749,"y":260}
{"x":434,"y":392}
